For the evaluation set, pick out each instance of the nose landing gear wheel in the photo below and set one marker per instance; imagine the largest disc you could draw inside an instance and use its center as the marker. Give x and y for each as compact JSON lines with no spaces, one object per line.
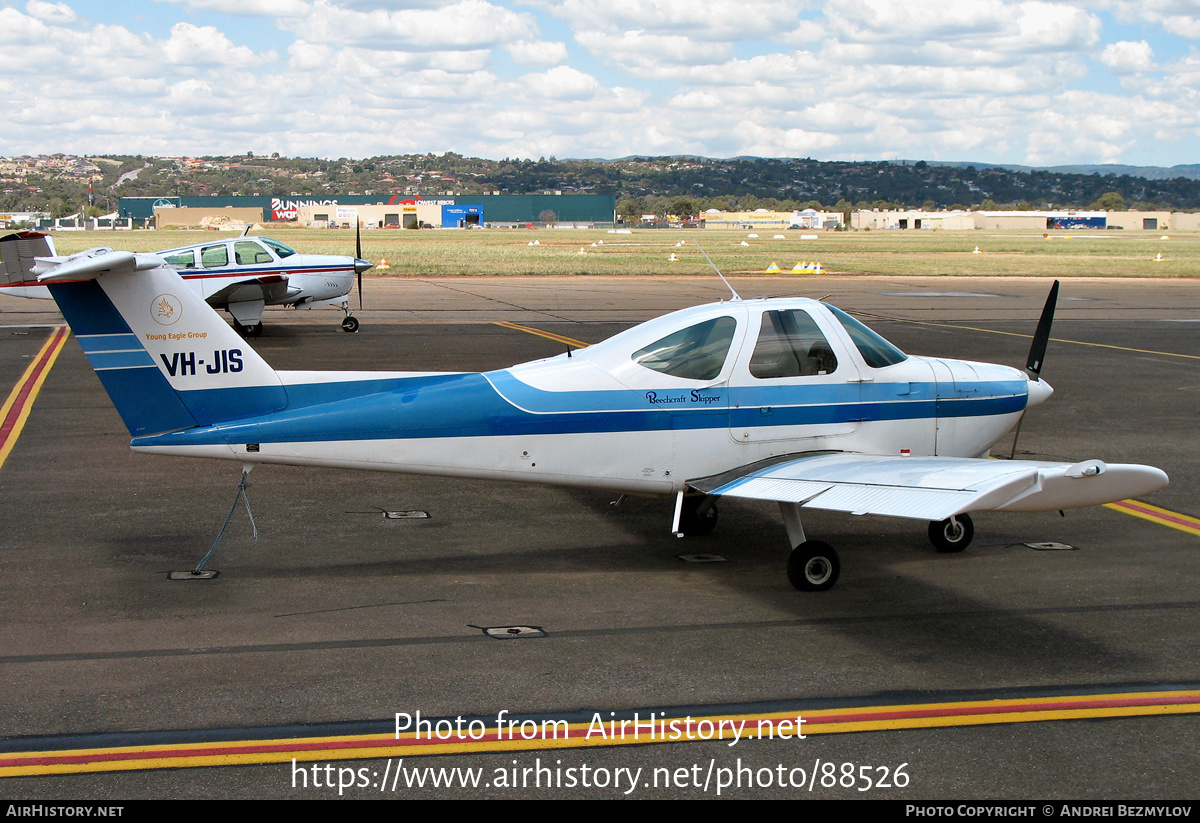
{"x":952,"y":535}
{"x":813,"y":566}
{"x":350,"y":324}
{"x":248,"y":331}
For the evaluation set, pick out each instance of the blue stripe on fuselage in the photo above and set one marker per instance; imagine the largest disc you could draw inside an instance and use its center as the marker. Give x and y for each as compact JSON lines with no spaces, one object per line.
{"x":469,"y":405}
{"x":541,"y":401}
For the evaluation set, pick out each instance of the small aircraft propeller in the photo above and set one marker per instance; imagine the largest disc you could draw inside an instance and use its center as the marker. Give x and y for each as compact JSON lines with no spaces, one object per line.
{"x":1037,"y":354}
{"x":358,"y":261}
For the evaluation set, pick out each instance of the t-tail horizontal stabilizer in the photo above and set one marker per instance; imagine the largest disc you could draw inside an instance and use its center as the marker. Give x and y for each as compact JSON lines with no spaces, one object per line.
{"x":166,"y":359}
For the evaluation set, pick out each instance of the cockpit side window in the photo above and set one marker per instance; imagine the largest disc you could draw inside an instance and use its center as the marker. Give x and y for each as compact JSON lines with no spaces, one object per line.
{"x":875,"y":351}
{"x":247,"y":253}
{"x":695,"y":353}
{"x":279,"y":248}
{"x":791,"y":345}
{"x":182,"y":259}
{"x":213,"y":256}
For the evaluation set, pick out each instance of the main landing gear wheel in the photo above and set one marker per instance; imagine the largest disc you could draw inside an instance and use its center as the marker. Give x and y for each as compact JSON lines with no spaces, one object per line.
{"x":952,"y":535}
{"x":350,"y":324}
{"x":813,"y":566}
{"x":694,"y":522}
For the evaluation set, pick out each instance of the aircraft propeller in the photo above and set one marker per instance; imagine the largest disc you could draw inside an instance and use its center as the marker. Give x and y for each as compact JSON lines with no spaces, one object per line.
{"x":360,"y":265}
{"x":1037,"y":354}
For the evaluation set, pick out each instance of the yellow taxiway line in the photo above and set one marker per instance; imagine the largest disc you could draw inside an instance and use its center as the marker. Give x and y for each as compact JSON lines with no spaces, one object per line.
{"x":561,"y":338}
{"x":17,"y":406}
{"x":479,"y":736}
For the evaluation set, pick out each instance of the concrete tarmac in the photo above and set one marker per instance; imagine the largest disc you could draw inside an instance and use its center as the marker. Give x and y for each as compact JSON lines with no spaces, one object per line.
{"x":337,"y":614}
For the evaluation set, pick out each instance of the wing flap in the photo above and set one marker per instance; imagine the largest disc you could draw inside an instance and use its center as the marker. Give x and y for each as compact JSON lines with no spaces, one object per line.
{"x":932,"y":488}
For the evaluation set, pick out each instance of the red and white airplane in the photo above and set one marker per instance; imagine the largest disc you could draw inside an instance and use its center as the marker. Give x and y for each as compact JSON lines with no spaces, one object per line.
{"x":240,"y":275}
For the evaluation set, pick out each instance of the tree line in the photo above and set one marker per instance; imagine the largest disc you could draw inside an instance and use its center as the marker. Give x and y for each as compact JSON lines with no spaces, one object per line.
{"x":678,"y":186}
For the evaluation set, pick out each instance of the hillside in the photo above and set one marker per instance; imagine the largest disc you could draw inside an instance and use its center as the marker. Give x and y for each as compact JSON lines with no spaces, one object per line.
{"x":59,"y":184}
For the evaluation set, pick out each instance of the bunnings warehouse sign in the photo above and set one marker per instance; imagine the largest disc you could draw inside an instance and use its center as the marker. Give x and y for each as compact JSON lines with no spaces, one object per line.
{"x":345,"y":208}
{"x":286,"y":209}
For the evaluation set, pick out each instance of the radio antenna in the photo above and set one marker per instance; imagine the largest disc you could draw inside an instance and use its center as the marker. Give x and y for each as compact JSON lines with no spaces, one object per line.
{"x":736,"y":296}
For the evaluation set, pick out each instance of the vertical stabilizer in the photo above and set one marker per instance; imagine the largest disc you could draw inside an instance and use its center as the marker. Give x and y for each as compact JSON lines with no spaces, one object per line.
{"x":167,"y":360}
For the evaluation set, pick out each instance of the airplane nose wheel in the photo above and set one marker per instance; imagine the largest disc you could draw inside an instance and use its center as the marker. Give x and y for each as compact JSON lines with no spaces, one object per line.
{"x":350,"y":324}
{"x":813,"y":566}
{"x":248,"y":331}
{"x":952,"y":535}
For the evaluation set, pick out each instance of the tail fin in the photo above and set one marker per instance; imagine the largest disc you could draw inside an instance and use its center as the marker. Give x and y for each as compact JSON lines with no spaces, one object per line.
{"x":19,"y":254}
{"x":166,"y":359}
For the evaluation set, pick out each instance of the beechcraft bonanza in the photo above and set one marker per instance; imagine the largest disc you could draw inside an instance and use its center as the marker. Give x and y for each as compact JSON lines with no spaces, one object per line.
{"x":241,"y":275}
{"x":787,"y":400}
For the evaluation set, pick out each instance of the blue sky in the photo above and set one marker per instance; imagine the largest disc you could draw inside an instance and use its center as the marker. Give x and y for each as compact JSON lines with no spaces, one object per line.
{"x":1017,"y":81}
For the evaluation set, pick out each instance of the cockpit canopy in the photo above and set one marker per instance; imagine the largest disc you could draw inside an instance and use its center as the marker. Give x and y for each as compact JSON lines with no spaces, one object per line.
{"x":788,"y":341}
{"x":741,"y":343}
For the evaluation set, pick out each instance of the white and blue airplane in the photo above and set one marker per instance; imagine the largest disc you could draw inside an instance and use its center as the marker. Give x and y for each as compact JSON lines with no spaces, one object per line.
{"x":787,"y":400}
{"x":240,"y":275}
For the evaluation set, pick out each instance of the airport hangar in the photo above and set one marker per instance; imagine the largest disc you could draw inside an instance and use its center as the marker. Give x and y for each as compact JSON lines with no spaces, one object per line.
{"x":402,"y":211}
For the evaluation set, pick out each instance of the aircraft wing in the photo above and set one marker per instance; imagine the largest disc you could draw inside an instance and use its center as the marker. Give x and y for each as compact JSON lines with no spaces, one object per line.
{"x":931,"y":488}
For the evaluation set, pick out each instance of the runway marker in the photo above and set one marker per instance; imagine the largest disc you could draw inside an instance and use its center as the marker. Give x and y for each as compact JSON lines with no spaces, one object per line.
{"x":16,"y":408}
{"x":546,"y":735}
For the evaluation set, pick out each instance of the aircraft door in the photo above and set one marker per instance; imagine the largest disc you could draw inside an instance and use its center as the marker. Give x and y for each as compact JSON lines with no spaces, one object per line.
{"x":791,"y":386}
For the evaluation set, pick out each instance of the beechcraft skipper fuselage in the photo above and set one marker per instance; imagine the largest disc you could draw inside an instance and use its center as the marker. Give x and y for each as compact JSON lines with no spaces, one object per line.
{"x":241,"y":275}
{"x":788,"y":400}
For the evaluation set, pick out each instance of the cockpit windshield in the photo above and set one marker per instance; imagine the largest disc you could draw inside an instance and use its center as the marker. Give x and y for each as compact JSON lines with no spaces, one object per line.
{"x":876,"y":351}
{"x":279,"y":248}
{"x":695,"y":353}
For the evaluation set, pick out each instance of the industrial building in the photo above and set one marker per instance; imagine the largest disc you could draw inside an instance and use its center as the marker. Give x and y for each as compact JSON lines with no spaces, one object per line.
{"x":1068,"y":219}
{"x":579,"y":210}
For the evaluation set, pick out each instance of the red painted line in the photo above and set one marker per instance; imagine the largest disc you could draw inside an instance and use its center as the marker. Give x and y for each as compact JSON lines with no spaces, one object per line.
{"x":581,"y":731}
{"x":1007,"y":708}
{"x":281,"y":270}
{"x":1158,"y":514}
{"x":274,"y":272}
{"x":11,"y":419}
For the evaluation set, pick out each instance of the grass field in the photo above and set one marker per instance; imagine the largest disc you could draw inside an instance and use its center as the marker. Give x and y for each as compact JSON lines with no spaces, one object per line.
{"x":562,"y":252}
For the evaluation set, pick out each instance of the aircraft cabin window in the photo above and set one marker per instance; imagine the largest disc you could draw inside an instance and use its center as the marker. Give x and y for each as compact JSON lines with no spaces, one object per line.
{"x":247,"y":253}
{"x":790,"y":345}
{"x":695,"y":353}
{"x":213,"y":256}
{"x":182,"y":260}
{"x":876,"y":351}
{"x":279,"y":248}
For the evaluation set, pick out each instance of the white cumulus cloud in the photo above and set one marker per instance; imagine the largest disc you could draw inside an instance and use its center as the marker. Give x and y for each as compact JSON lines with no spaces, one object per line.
{"x":50,"y":12}
{"x":537,"y":53}
{"x":1126,"y":57}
